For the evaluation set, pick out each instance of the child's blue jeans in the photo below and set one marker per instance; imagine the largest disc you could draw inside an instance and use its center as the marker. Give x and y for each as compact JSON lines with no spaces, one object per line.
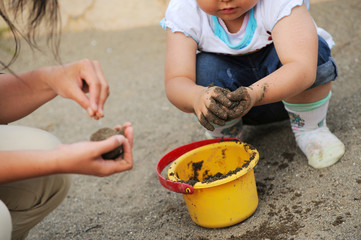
{"x":232,"y":72}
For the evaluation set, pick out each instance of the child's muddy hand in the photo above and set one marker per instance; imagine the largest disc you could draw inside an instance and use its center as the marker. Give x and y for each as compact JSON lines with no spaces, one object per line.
{"x":241,"y":103}
{"x":211,"y":114}
{"x":205,"y":123}
{"x":220,"y":95}
{"x":208,"y":118}
{"x":217,"y":104}
{"x":239,"y":94}
{"x":209,"y":107}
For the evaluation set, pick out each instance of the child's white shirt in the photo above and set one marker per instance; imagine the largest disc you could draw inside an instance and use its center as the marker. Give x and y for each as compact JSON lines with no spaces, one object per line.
{"x":185,"y":16}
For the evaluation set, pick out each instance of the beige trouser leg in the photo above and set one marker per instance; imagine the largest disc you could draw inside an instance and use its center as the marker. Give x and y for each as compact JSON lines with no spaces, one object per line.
{"x":5,"y":222}
{"x":29,"y":201}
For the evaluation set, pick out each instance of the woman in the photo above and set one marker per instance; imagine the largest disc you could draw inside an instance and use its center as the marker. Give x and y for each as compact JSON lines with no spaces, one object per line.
{"x":33,"y":163}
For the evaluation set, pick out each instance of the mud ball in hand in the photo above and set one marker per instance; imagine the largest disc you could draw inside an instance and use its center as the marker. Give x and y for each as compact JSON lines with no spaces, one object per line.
{"x":104,"y":133}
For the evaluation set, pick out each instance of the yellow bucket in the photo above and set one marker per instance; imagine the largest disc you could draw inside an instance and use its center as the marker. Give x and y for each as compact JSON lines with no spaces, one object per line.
{"x":223,"y":180}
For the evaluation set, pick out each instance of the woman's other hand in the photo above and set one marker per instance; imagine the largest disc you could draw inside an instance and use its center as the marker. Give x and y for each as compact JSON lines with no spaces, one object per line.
{"x":82,"y":81}
{"x":85,"y":157}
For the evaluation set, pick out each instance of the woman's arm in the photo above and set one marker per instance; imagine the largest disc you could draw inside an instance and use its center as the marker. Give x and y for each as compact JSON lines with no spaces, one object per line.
{"x":80,"y":158}
{"x":19,"y":96}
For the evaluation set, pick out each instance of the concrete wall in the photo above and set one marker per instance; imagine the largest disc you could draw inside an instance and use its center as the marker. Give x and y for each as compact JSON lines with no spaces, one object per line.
{"x":79,"y":15}
{"x":83,"y":15}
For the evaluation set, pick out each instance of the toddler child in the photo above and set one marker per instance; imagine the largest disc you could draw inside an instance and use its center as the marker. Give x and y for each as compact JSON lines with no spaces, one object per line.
{"x":234,"y":62}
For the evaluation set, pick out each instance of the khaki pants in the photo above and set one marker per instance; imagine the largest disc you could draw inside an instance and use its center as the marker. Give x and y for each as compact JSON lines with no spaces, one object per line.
{"x":28,"y":201}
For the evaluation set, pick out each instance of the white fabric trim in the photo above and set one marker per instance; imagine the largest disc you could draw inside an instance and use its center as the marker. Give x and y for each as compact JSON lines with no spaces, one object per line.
{"x":185,"y":16}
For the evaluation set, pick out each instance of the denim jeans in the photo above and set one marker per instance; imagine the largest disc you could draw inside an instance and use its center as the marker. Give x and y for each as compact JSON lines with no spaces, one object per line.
{"x":232,"y":72}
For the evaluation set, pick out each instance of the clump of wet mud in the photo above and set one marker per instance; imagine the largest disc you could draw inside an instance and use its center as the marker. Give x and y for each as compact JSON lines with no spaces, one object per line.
{"x":208,"y":178}
{"x":104,"y":133}
{"x":218,"y":176}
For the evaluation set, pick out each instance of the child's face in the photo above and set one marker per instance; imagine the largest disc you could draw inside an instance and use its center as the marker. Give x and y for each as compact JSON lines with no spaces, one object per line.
{"x":227,"y":10}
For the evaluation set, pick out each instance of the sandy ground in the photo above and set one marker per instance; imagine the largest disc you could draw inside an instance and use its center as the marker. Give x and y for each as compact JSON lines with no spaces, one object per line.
{"x":295,"y":201}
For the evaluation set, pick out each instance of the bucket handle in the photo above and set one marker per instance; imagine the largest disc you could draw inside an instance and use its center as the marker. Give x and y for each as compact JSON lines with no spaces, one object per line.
{"x":173,"y":155}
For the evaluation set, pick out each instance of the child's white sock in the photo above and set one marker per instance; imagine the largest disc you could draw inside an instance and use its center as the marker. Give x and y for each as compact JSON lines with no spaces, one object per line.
{"x":232,"y":129}
{"x":308,"y":122}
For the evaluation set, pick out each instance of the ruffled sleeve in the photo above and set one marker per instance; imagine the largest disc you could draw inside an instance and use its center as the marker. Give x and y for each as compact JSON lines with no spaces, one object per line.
{"x":276,"y":10}
{"x":183,"y":16}
{"x":273,"y":11}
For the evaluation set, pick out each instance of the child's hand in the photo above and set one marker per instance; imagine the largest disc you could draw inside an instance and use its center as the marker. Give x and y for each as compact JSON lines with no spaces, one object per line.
{"x":211,"y":107}
{"x":241,"y":103}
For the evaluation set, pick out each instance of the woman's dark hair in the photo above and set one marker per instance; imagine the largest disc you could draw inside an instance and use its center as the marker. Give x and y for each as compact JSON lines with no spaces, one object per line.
{"x":32,"y":14}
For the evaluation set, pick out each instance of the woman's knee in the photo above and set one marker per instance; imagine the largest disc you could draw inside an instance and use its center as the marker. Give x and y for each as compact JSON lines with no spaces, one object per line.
{"x":30,"y":201}
{"x":5,"y":222}
{"x":26,"y":138}
{"x":65,"y":180}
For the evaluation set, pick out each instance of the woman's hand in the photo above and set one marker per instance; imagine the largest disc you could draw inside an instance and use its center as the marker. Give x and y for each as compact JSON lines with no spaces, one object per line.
{"x":75,"y":80}
{"x":211,"y":107}
{"x":82,"y":81}
{"x":81,"y":157}
{"x":85,"y":157}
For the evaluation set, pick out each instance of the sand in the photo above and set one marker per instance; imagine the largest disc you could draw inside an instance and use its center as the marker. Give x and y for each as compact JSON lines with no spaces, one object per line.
{"x":295,"y":200}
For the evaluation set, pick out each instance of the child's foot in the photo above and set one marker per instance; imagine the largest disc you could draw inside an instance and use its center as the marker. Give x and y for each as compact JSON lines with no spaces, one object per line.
{"x":321,"y":147}
{"x":308,"y":122}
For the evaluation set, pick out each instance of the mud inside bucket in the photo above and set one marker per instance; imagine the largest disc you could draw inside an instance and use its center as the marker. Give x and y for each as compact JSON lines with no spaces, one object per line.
{"x":223,"y":179}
